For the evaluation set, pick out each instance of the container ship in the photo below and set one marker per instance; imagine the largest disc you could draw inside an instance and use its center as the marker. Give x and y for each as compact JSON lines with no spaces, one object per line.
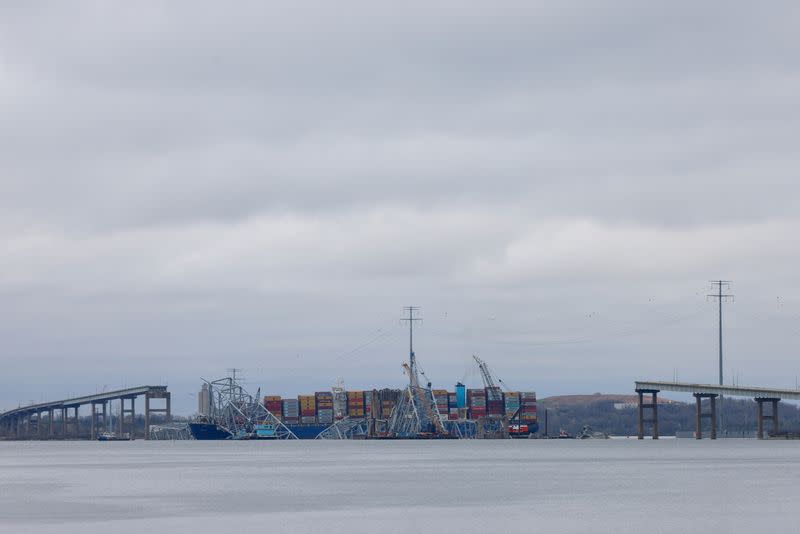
{"x":416,"y":412}
{"x":307,"y":416}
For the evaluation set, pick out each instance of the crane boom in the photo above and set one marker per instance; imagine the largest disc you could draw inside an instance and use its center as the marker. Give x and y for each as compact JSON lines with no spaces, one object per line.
{"x":486,"y":375}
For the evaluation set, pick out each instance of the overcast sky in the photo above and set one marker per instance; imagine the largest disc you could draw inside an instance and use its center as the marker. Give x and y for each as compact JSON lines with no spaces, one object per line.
{"x":190,"y":186}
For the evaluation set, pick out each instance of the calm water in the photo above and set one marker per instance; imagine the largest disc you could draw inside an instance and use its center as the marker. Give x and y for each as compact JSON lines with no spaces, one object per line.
{"x":466,"y":486}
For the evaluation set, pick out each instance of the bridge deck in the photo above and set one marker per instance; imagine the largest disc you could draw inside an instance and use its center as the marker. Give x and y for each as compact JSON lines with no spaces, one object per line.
{"x":78,"y":401}
{"x":728,"y":391}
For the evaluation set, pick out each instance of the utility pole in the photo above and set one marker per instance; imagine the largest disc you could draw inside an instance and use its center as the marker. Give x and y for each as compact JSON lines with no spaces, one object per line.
{"x":720,"y":296}
{"x":413,"y":316}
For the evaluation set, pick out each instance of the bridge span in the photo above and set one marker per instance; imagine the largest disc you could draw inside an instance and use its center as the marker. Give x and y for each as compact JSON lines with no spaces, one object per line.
{"x":52,"y":420}
{"x":711,"y":392}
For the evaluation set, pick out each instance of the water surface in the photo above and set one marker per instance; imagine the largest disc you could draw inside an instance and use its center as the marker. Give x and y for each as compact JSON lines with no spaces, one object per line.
{"x":610,"y":486}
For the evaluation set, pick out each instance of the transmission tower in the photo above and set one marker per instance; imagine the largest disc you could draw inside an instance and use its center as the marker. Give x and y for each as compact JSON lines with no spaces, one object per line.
{"x":721,"y":297}
{"x":416,"y":413}
{"x":413,"y":317}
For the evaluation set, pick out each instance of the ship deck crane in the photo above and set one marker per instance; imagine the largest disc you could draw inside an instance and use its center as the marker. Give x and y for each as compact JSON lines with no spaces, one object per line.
{"x":489,"y":383}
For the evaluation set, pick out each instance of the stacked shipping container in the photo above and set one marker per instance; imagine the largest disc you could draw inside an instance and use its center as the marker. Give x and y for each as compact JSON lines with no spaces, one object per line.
{"x":476,"y":399}
{"x":511,"y":403}
{"x":319,"y":408}
{"x":494,"y":402}
{"x":527,"y":408}
{"x":291,"y":410}
{"x":452,"y":406}
{"x":274,"y":405}
{"x":324,"y":407}
{"x":368,"y":395}
{"x":308,"y":408}
{"x":355,"y":404}
{"x":442,"y":401}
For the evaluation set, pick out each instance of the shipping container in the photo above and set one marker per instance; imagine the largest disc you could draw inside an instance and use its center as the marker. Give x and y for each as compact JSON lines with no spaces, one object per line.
{"x":475,"y":413}
{"x":368,"y":396}
{"x":275,"y":407}
{"x":290,"y":407}
{"x":325,"y":416}
{"x":494,"y":394}
{"x":324,"y":401}
{"x":308,"y":405}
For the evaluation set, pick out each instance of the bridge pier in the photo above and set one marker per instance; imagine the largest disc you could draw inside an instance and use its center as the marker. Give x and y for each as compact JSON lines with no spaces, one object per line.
{"x":127,"y":411}
{"x":148,"y":410}
{"x":712,"y":397}
{"x":774,"y":415}
{"x":95,"y":425}
{"x":76,"y":427}
{"x":653,"y":406}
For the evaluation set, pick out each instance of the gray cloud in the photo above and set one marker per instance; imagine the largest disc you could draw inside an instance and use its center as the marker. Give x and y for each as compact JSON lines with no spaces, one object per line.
{"x":185,"y":188}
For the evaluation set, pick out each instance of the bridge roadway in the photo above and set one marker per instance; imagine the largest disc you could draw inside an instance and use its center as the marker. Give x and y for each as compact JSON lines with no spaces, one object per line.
{"x":39,"y":421}
{"x":711,"y":392}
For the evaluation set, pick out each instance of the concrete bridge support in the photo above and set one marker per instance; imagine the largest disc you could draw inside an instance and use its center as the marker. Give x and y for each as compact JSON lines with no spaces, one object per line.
{"x":148,"y":410}
{"x":96,"y":426}
{"x":127,"y":411}
{"x":712,"y":397}
{"x":73,"y":428}
{"x":773,"y":416}
{"x":653,"y":406}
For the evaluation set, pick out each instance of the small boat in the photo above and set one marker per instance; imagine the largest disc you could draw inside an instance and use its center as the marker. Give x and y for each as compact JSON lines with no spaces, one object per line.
{"x":110,"y":436}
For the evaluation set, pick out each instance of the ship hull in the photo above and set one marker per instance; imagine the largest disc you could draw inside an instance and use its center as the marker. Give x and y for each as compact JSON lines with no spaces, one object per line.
{"x":210,"y":431}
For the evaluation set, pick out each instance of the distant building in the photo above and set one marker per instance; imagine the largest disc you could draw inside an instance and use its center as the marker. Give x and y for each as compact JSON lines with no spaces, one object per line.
{"x":204,"y":400}
{"x":626,"y":405}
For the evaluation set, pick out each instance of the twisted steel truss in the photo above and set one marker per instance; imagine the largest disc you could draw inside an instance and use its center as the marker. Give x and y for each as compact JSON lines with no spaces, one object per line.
{"x":240,"y":414}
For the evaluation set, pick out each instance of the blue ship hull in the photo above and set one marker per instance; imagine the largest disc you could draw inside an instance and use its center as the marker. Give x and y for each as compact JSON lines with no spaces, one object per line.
{"x":306,"y":431}
{"x":210,"y":431}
